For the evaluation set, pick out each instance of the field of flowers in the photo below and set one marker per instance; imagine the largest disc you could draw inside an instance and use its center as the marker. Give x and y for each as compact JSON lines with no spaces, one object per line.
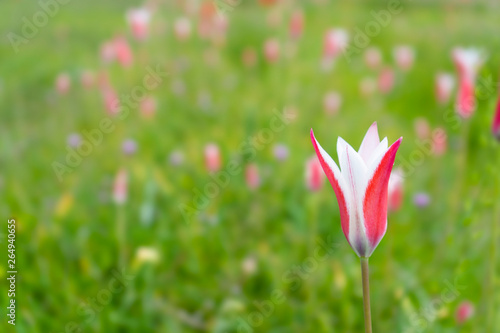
{"x":157,"y":161}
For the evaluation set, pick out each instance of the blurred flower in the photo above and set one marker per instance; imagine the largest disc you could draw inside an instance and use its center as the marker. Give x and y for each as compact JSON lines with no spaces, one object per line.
{"x":182,"y":28}
{"x":439,"y":141}
{"x":404,"y":56}
{"x":335,"y":41}
{"x":87,"y":79}
{"x":63,"y":83}
{"x":249,"y":265}
{"x":422,"y":128}
{"x":314,"y":176}
{"x":465,"y":311}
{"x":421,"y":199}
{"x":129,"y":147}
{"x":395,"y":190}
{"x":332,"y":102}
{"x":361,"y":187}
{"x":467,"y":62}
{"x":272,"y":50}
{"x":74,"y":140}
{"x":148,"y":107}
{"x":445,"y":83}
{"x":280,"y":152}
{"x":120,"y":187}
{"x":296,"y":24}
{"x":123,"y":51}
{"x":249,"y":57}
{"x":495,"y":128}
{"x":367,"y":86}
{"x":138,"y":19}
{"x":373,"y":57}
{"x":204,"y":100}
{"x":107,"y":52}
{"x":146,"y":254}
{"x":386,"y":80}
{"x":176,"y":158}
{"x":212,"y":157}
{"x":252,"y":177}
{"x":178,"y":87}
{"x":111,"y":101}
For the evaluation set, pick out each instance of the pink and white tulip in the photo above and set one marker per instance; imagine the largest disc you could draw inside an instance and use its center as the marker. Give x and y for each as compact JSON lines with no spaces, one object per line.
{"x":123,"y":51}
{"x":138,"y":19}
{"x":212,"y":157}
{"x":464,"y":312}
{"x":361,"y":187}
{"x":373,"y":57}
{"x":296,"y":24}
{"x":182,"y":28}
{"x":314,"y":176}
{"x":63,"y":83}
{"x":252,"y":177}
{"x":404,"y":57}
{"x":120,"y":187}
{"x":468,"y":62}
{"x":386,"y":80}
{"x":439,"y":141}
{"x":332,"y":102}
{"x":445,"y":83}
{"x":335,"y":42}
{"x":272,"y":50}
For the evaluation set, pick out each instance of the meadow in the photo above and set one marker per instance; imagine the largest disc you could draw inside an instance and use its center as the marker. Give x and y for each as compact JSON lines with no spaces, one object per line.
{"x":137,"y":230}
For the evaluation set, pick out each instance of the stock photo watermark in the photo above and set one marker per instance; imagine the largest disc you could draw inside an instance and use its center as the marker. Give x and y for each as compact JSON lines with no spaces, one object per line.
{"x":94,"y":137}
{"x":221,"y":179}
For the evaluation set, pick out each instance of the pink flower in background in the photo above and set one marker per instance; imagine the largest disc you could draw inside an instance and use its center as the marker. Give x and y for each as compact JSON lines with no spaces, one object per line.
{"x":63,"y":83}
{"x":120,"y":187}
{"x":373,"y":57}
{"x":422,"y":128}
{"x":148,"y":107}
{"x":334,"y":43}
{"x":123,"y":51}
{"x":87,"y":79}
{"x":249,"y":57}
{"x":445,"y":83}
{"x":182,"y":28}
{"x":129,"y":147}
{"x":367,"y":86}
{"x":107,"y":52}
{"x":314,"y":174}
{"x":212,"y":157}
{"x":272,"y":50}
{"x":404,"y":57}
{"x":421,"y":199}
{"x":280,"y":152}
{"x":74,"y":140}
{"x":252,"y":177}
{"x":465,"y":311}
{"x":138,"y":19}
{"x":386,"y":80}
{"x":439,"y":141}
{"x":332,"y":102}
{"x":467,"y":62}
{"x":361,"y":187}
{"x":395,"y":190}
{"x":495,"y":128}
{"x":111,"y":101}
{"x":296,"y":24}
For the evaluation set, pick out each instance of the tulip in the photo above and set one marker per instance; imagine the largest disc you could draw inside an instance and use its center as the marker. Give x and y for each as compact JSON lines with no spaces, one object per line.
{"x":138,"y":19}
{"x":111,"y":101}
{"x":373,"y":57}
{"x":271,"y":50}
{"x":335,"y":42}
{"x":182,"y":28}
{"x":404,"y":57}
{"x":464,"y":312}
{"x":361,"y":187}
{"x":445,"y":83}
{"x":63,"y":83}
{"x":395,"y":190}
{"x":120,"y":187}
{"x":148,"y":107}
{"x":107,"y":52}
{"x":422,"y":128}
{"x":467,"y":62}
{"x":123,"y":51}
{"x":332,"y":102}
{"x":495,"y":128}
{"x":252,"y":177}
{"x":439,"y":141}
{"x":386,"y":80}
{"x":314,"y":177}
{"x":212,"y":157}
{"x":296,"y":24}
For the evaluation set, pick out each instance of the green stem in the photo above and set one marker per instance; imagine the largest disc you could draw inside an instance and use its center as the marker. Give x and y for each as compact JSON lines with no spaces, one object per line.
{"x":365,"y":276}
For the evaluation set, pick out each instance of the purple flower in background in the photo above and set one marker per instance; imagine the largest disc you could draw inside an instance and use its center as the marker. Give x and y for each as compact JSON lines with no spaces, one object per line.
{"x":74,"y":140}
{"x":421,"y":199}
{"x":129,"y":147}
{"x":280,"y":152}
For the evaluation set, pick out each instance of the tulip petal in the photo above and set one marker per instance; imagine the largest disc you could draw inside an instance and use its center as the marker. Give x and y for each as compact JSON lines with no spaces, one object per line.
{"x":370,"y":142}
{"x":334,"y":175}
{"x":375,"y":200}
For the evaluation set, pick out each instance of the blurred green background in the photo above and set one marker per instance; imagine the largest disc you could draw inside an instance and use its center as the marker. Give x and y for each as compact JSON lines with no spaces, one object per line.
{"x":245,"y":261}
